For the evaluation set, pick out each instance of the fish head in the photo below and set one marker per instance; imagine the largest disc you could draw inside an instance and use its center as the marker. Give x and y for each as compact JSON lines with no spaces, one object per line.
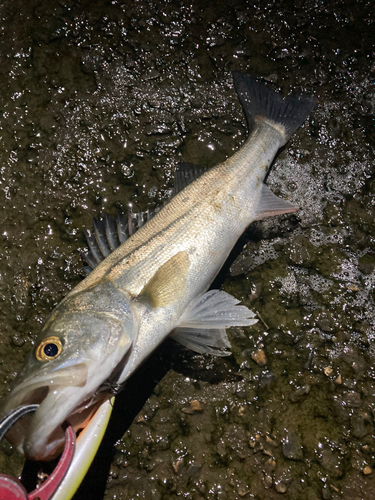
{"x":67,"y":374}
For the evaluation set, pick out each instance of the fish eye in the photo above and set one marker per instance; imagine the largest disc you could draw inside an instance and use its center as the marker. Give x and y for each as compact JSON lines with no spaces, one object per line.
{"x":48,"y":349}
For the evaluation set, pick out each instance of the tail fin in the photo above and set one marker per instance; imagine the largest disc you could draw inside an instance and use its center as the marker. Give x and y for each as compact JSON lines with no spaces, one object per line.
{"x":261,"y":102}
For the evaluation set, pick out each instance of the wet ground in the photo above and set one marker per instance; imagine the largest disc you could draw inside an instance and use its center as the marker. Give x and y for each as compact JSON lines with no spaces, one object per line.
{"x":99,"y":101}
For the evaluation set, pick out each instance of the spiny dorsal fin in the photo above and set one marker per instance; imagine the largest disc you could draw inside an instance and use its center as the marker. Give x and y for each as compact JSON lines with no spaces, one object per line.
{"x":168,"y":283}
{"x":185,"y":174}
{"x":110,"y":232}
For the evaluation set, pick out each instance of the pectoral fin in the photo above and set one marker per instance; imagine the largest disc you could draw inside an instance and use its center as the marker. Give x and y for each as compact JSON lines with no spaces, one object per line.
{"x":202,"y":326}
{"x":169,"y":283}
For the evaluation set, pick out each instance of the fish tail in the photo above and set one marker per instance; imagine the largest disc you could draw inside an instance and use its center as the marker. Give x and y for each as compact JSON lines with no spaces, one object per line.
{"x":262,"y":103}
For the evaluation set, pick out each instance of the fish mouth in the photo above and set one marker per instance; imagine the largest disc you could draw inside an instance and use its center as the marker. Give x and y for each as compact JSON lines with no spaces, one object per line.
{"x":63,"y":396}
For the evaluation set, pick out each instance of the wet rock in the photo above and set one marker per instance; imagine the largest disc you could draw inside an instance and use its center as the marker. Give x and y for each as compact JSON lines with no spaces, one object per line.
{"x":355,"y":359}
{"x":300,"y":393}
{"x":360,"y":424}
{"x":328,"y":260}
{"x":332,"y":213}
{"x":267,"y":481}
{"x":193,"y":468}
{"x":270,"y":466}
{"x":271,"y":441}
{"x":292,"y":448}
{"x":18,"y":340}
{"x":331,"y":462}
{"x":221,"y":448}
{"x":366,"y":264}
{"x":305,"y":297}
{"x":242,"y":491}
{"x":270,"y":447}
{"x":155,"y":495}
{"x":256,"y":290}
{"x":340,"y":409}
{"x":326,"y":493}
{"x":349,"y":383}
{"x":352,"y":399}
{"x":235,"y":441}
{"x":359,"y":367}
{"x":241,"y":265}
{"x":301,"y":251}
{"x":157,"y":129}
{"x":267,"y":379}
{"x":325,"y":323}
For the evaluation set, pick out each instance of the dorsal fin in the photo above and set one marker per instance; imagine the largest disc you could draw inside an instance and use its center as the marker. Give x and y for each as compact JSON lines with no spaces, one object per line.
{"x":185,"y":174}
{"x":110,"y":232}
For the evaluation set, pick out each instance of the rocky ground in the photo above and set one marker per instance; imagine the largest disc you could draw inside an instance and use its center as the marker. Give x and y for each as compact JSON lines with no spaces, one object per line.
{"x":99,"y":102}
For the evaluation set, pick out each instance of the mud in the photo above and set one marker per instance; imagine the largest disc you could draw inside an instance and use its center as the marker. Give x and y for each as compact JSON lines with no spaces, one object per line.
{"x":99,"y":102}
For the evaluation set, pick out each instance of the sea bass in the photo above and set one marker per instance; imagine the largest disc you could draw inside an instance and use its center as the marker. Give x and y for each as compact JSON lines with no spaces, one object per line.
{"x":156,"y":283}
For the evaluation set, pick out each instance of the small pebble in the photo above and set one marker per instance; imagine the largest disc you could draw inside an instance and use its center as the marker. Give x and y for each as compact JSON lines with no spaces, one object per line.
{"x":267,"y":481}
{"x":271,"y":441}
{"x":281,"y":487}
{"x":259,"y":357}
{"x":242,"y":492}
{"x":17,"y":340}
{"x":241,"y":410}
{"x":177,"y":465}
{"x":195,"y":406}
{"x":270,"y":465}
{"x":367,"y":470}
{"x":268,"y":453}
{"x":328,"y":371}
{"x":353,"y":288}
{"x":338,"y":380}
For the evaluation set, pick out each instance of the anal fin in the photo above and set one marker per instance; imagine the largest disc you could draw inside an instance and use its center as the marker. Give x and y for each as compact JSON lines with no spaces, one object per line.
{"x":270,"y":204}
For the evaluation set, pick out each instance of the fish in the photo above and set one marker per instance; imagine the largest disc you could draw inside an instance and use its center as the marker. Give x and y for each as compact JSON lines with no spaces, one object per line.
{"x":154,"y":283}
